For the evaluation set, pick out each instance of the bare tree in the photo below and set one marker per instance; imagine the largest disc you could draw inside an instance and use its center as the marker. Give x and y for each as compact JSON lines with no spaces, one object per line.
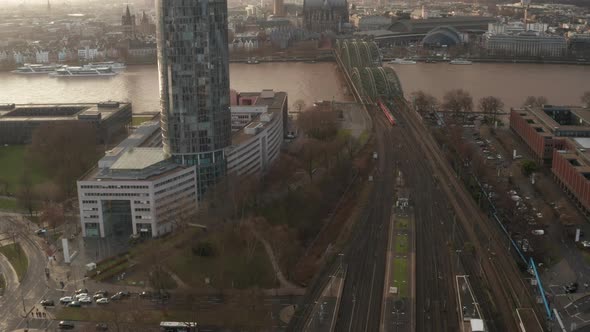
{"x":48,"y":192}
{"x":318,"y":124}
{"x":535,"y":102}
{"x":424,"y":102}
{"x":65,"y":150}
{"x":491,"y":105}
{"x":586,"y":99}
{"x":310,"y":153}
{"x":52,"y":214}
{"x":25,"y":195}
{"x":457,"y":101}
{"x":350,"y":143}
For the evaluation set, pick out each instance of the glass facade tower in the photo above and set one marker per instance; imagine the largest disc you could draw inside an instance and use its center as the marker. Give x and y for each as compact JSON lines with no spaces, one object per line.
{"x":193,"y":65}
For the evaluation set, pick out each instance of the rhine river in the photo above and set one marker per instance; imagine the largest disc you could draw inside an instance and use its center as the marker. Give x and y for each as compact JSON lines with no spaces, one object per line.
{"x":561,"y":84}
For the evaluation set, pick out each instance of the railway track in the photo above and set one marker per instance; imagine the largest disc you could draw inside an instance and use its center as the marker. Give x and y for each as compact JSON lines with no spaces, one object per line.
{"x":500,"y":277}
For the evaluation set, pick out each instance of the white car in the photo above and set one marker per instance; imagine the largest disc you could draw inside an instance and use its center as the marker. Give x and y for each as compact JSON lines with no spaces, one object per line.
{"x":85,"y":299}
{"x":103,"y":300}
{"x":66,"y":300}
{"x":81,"y":295}
{"x":538,"y":232}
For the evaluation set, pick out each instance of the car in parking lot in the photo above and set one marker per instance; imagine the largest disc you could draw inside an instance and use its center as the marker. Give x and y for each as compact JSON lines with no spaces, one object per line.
{"x":102,"y":300}
{"x":66,"y":300}
{"x":81,"y":295}
{"x":490,"y":158}
{"x":75,"y":304}
{"x":47,"y":303}
{"x":82,"y":290}
{"x":85,"y":300}
{"x":102,"y":327}
{"x":116,"y":297}
{"x":41,"y":231}
{"x":66,"y":325}
{"x":98,"y":296}
{"x":571,"y":288}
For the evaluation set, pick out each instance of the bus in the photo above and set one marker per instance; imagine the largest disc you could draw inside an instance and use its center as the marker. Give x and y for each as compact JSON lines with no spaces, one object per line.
{"x":178,"y":327}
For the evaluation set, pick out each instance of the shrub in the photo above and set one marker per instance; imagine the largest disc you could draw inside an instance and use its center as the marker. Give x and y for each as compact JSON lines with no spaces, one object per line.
{"x":204,"y":249}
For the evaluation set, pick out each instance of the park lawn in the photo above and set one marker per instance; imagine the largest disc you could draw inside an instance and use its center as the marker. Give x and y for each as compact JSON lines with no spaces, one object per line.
{"x":228,"y":269}
{"x":17,"y":257}
{"x":401,"y":222}
{"x":8,"y":204}
{"x":400,"y":275}
{"x":12,"y":159}
{"x":401,"y":244}
{"x":137,"y":120}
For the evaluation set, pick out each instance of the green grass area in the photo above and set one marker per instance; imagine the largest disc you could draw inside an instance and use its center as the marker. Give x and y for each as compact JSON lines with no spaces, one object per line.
{"x":400,"y":275}
{"x":12,"y":159}
{"x":7,"y":204}
{"x":401,"y":244}
{"x":401,"y":222}
{"x":232,"y":268}
{"x":15,"y":254}
{"x":137,"y":120}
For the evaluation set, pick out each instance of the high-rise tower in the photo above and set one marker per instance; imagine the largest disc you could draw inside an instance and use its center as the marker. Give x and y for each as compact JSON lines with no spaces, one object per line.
{"x":193,"y":64}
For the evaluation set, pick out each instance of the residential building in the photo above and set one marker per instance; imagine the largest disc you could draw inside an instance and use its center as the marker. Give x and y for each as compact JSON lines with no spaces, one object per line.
{"x":194,"y":85}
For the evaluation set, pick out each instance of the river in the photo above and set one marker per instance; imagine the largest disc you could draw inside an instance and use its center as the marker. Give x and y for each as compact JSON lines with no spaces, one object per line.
{"x":561,"y":84}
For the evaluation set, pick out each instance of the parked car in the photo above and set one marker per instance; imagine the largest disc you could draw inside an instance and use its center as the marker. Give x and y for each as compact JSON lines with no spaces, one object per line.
{"x":81,"y":295}
{"x":47,"y":303}
{"x":98,"y":296}
{"x":85,"y":300}
{"x":102,"y":300}
{"x":571,"y":288}
{"x":41,"y":231}
{"x":82,"y":290}
{"x":66,"y":300}
{"x":116,"y":297}
{"x":75,"y":304}
{"x":66,"y":325}
{"x":538,"y":232}
{"x":145,"y":295}
{"x":102,"y":327}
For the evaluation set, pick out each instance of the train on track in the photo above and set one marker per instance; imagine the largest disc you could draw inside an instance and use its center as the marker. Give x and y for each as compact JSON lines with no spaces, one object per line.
{"x":387,"y":113}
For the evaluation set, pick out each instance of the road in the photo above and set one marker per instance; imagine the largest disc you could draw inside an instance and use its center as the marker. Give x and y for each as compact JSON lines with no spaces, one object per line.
{"x":34,"y":286}
{"x":362,"y":296}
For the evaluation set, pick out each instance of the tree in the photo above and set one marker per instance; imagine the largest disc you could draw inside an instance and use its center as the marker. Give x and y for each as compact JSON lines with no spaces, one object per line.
{"x":310,"y":153}
{"x":65,"y":151}
{"x":532,"y":101}
{"x":52,"y":215}
{"x":586,"y":99}
{"x":25,"y":196}
{"x":457,"y":101}
{"x":529,"y":167}
{"x":490,"y":105}
{"x":319,"y":124}
{"x":350,"y":143}
{"x":424,"y":102}
{"x":48,"y":192}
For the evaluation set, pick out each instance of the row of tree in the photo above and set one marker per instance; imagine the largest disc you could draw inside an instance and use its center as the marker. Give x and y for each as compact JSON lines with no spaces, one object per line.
{"x":459,"y":101}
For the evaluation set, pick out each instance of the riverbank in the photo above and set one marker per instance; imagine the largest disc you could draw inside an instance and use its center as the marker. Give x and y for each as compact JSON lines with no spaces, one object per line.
{"x":583,"y":62}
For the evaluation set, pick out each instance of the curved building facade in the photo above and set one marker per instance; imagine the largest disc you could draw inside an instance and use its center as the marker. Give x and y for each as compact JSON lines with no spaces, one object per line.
{"x":193,"y":65}
{"x":442,"y":36}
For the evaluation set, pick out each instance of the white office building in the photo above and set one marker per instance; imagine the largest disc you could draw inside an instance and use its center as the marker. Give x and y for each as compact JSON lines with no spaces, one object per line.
{"x":136,"y":190}
{"x":528,"y":44}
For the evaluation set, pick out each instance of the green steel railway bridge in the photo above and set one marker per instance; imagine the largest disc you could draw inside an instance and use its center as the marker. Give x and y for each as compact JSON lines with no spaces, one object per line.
{"x":370,"y":82}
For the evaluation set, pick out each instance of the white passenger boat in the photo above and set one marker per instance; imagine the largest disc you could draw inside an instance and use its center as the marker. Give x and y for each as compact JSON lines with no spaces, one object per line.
{"x":116,"y":66}
{"x":28,"y":69}
{"x":403,"y":62}
{"x":460,"y":62}
{"x":84,"y":71}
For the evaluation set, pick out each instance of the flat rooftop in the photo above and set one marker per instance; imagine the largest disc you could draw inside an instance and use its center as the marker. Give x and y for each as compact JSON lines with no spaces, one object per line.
{"x":563,"y":121}
{"x":60,"y":112}
{"x":272,"y":100}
